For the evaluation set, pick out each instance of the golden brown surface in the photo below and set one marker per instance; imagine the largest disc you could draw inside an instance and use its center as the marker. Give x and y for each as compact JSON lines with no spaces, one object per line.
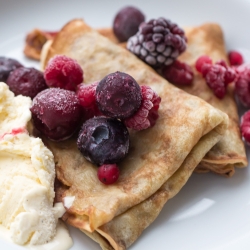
{"x":160,"y":161}
{"x":229,"y":153}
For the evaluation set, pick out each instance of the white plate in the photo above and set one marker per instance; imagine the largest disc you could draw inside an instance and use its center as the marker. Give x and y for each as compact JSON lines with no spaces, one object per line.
{"x":210,"y":212}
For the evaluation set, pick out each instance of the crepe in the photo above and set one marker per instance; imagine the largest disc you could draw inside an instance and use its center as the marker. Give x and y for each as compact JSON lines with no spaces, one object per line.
{"x":160,"y":160}
{"x":208,"y":39}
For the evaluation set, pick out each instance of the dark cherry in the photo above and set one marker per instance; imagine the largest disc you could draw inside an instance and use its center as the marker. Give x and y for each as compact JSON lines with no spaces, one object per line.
{"x":56,"y":113}
{"x":6,"y":66}
{"x":103,"y":140}
{"x":126,"y":22}
{"x":26,"y":81}
{"x":118,"y":95}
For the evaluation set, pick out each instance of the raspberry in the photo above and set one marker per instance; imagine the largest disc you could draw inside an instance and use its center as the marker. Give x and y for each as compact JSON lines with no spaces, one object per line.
{"x":56,"y":113}
{"x":242,"y":86}
{"x":235,"y":58}
{"x":201,"y":61}
{"x":103,"y":140}
{"x":86,"y":97}
{"x":178,"y":73}
{"x":245,"y":126}
{"x":108,"y":173}
{"x":158,"y":42}
{"x":6,"y":66}
{"x":126,"y":22}
{"x":118,"y":95}
{"x":26,"y":81}
{"x":147,"y":114}
{"x":63,"y":72}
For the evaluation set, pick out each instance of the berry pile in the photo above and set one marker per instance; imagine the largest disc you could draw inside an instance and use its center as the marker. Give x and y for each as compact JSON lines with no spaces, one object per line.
{"x":217,"y":75}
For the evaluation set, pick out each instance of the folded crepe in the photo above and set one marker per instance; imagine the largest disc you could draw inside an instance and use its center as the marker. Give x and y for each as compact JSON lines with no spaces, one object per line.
{"x":207,"y":39}
{"x":160,"y":160}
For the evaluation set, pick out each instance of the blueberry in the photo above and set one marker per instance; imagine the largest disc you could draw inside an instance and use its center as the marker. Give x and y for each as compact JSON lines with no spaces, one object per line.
{"x":126,"y":22}
{"x":103,"y":140}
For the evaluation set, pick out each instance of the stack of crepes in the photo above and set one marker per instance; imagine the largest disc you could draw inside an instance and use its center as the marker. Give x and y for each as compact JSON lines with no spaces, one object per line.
{"x":160,"y":161}
{"x":208,"y":39}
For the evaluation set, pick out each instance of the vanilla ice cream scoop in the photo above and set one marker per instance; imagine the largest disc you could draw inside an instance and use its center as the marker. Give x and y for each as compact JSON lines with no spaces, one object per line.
{"x":27,"y":174}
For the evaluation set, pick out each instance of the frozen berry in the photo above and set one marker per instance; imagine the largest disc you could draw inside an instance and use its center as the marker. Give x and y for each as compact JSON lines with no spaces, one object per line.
{"x":158,"y":42}
{"x":201,"y":61}
{"x":118,"y":95}
{"x":103,"y":140}
{"x":86,"y":96}
{"x":215,"y":80}
{"x":147,"y":114}
{"x":6,"y":66}
{"x":108,"y":173}
{"x":63,"y":72}
{"x":56,"y":113}
{"x":242,"y":86}
{"x":235,"y":58}
{"x":245,"y":126}
{"x":178,"y":73}
{"x":26,"y":81}
{"x":126,"y":22}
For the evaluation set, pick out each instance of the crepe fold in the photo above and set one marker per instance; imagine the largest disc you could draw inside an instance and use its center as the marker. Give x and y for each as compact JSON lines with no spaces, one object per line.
{"x":208,"y":39}
{"x":160,"y":160}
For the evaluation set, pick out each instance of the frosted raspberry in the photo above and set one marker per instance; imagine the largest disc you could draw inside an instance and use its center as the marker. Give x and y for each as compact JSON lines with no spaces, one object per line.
{"x":242,"y":86}
{"x":158,"y":42}
{"x":201,"y":61}
{"x":215,"y":80}
{"x":63,"y":72}
{"x":245,"y":126}
{"x":108,"y":173}
{"x":86,"y":96}
{"x":178,"y":73}
{"x":147,"y":114}
{"x":235,"y":58}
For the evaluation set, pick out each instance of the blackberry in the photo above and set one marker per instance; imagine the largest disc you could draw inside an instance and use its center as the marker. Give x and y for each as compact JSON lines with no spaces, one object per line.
{"x":158,"y":42}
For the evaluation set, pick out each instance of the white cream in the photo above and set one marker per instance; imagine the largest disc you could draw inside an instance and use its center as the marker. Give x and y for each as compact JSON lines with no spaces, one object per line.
{"x":62,"y":239}
{"x":68,"y":201}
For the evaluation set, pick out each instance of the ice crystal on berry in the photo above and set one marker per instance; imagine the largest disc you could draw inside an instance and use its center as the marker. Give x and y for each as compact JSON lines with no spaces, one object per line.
{"x":26,"y":81}
{"x":178,"y":73}
{"x":147,"y":114}
{"x":242,"y":85}
{"x":86,"y":95}
{"x":63,"y":72}
{"x":158,"y":42}
{"x":118,"y":95}
{"x":103,"y":140}
{"x":56,"y":113}
{"x":245,"y":127}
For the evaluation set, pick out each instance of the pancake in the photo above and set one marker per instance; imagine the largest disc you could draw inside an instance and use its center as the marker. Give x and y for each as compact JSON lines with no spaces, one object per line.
{"x":229,"y":153}
{"x":160,"y":161}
